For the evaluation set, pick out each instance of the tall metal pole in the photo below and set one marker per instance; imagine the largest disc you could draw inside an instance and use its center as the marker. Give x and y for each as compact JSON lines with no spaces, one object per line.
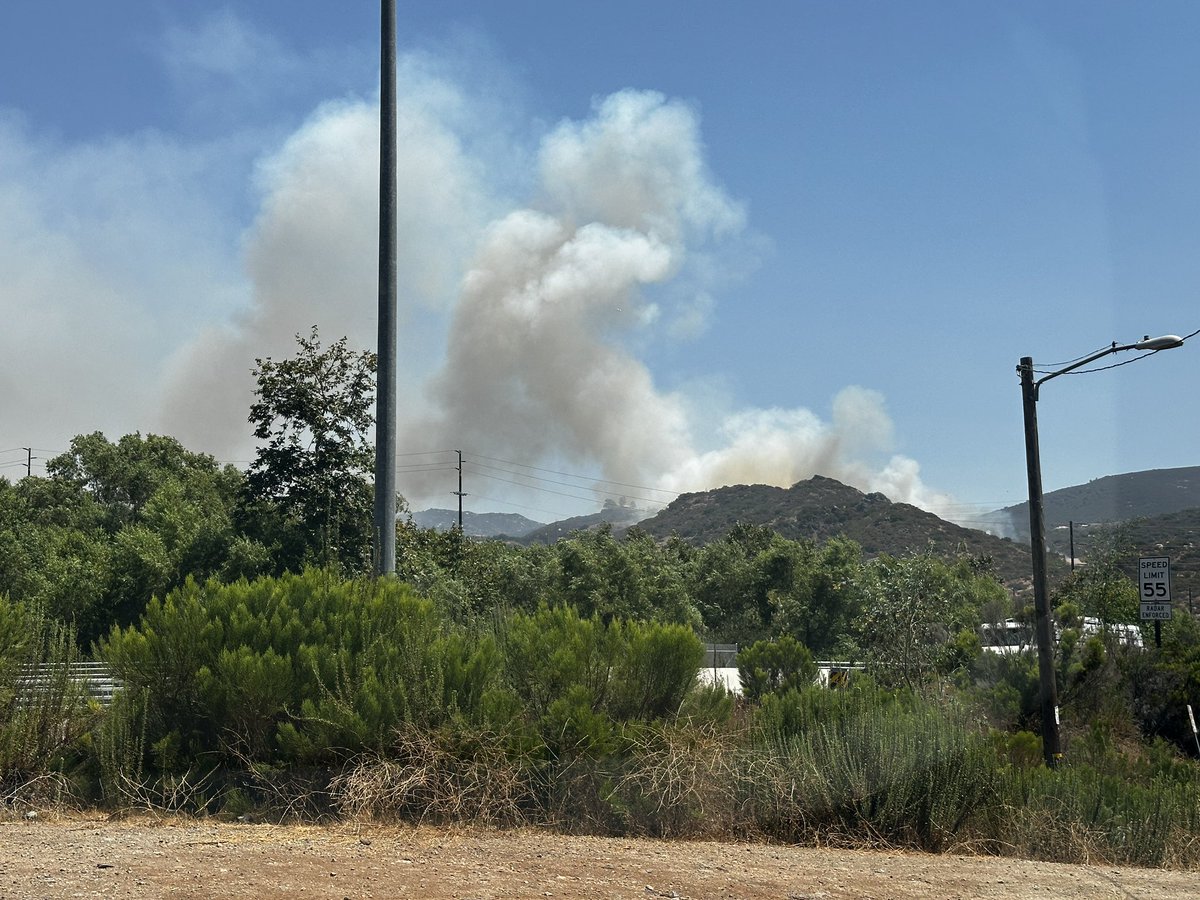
{"x":385,"y":410}
{"x":1043,"y":628}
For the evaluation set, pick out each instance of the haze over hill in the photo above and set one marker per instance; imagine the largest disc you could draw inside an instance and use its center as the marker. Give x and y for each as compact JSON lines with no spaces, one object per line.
{"x":619,"y":517}
{"x":1114,"y":498}
{"x":478,"y":525}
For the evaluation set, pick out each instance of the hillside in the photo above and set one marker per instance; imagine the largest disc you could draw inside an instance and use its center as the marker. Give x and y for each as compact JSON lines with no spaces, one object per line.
{"x":1114,"y":498}
{"x":617,"y":516}
{"x":822,"y":508}
{"x":482,"y":525}
{"x":1176,"y":535}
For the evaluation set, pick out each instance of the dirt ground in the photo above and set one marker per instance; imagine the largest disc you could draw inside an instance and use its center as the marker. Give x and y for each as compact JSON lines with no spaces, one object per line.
{"x":81,"y":857}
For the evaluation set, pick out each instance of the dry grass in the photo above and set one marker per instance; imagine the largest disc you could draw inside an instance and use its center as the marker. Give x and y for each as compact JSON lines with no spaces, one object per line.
{"x":424,"y":780}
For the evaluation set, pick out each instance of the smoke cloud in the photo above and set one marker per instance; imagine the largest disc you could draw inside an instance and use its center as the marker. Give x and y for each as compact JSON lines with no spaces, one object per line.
{"x":539,"y":359}
{"x":525,"y":328}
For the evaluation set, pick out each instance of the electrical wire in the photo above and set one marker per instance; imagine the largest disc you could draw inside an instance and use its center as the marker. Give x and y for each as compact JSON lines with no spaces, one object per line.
{"x":592,"y":487}
{"x":549,"y":512}
{"x":640,"y":487}
{"x":425,"y":452}
{"x":1067,"y":362}
{"x":1116,"y":365}
{"x":534,"y":487}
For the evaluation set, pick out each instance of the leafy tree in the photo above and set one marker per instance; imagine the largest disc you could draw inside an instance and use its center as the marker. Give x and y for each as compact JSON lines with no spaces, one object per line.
{"x":115,"y":523}
{"x":820,"y":604}
{"x":914,"y":609}
{"x":1099,"y":589}
{"x":307,"y":491}
{"x":121,"y":478}
{"x":628,"y":578}
{"x":733,"y":580}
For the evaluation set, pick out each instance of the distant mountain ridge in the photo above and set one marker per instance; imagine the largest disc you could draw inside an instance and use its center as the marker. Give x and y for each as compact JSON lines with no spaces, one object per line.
{"x":481,"y":525}
{"x":1113,"y":498}
{"x":617,"y":516}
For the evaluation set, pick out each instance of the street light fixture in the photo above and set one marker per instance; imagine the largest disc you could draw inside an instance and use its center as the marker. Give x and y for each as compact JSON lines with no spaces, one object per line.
{"x":1037,"y":529}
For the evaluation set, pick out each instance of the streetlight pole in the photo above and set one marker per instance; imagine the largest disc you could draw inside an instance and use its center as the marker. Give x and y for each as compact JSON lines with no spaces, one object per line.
{"x":1043,"y":627}
{"x":1037,"y":548}
{"x":384,"y":517}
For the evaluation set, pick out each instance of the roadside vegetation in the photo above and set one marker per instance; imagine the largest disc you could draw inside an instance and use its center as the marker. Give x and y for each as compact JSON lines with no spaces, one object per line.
{"x":264,"y":675}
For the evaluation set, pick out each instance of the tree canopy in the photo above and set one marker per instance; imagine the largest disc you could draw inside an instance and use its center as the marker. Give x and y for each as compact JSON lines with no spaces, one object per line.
{"x":312,"y":414}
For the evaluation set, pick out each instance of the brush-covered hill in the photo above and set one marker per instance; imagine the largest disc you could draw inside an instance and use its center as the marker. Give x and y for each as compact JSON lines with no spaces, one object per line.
{"x":617,"y":516}
{"x":1175,"y":535}
{"x":821,"y":508}
{"x":1114,"y":498}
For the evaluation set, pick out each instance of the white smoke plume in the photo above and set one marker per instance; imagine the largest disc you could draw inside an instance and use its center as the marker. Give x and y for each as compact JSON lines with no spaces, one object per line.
{"x":311,"y":255}
{"x":524,"y":328}
{"x":538,"y":358}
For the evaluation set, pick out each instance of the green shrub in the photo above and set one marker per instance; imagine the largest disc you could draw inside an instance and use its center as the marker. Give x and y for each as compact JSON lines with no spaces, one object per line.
{"x":784,"y":715}
{"x":45,"y":714}
{"x":774,"y":667}
{"x":1077,"y":813}
{"x":299,"y":669}
{"x":629,"y":671}
{"x":655,"y":672}
{"x":906,"y":774}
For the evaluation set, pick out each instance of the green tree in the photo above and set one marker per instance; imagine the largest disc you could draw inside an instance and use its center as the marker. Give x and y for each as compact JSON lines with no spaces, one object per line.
{"x":820,"y":604}
{"x":307,"y":491}
{"x":122,"y":477}
{"x":115,"y":523}
{"x":914,"y":611}
{"x":733,"y":580}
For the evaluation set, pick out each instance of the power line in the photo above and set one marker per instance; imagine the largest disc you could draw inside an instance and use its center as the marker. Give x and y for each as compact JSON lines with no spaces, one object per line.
{"x":1126,"y":362}
{"x":534,"y":487}
{"x":549,"y":512}
{"x":566,"y":484}
{"x":641,"y":487}
{"x":424,"y":452}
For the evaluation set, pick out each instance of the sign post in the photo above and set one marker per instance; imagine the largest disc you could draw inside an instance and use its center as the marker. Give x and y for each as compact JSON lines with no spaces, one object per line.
{"x":1192,"y":719}
{"x":1154,"y":588}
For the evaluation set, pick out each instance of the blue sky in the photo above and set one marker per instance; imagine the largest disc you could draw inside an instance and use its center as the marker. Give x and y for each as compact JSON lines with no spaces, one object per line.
{"x":899,"y":201}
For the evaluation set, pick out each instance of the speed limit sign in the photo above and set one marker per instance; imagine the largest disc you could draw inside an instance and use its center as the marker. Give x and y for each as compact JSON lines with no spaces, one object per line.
{"x":1154,"y":586}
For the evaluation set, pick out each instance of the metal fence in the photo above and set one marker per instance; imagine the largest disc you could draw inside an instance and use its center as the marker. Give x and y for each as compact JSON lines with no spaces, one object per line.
{"x":95,"y":679}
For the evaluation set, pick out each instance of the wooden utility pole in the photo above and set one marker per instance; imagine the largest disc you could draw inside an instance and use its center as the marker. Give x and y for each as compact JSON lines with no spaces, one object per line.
{"x":1043,"y":627}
